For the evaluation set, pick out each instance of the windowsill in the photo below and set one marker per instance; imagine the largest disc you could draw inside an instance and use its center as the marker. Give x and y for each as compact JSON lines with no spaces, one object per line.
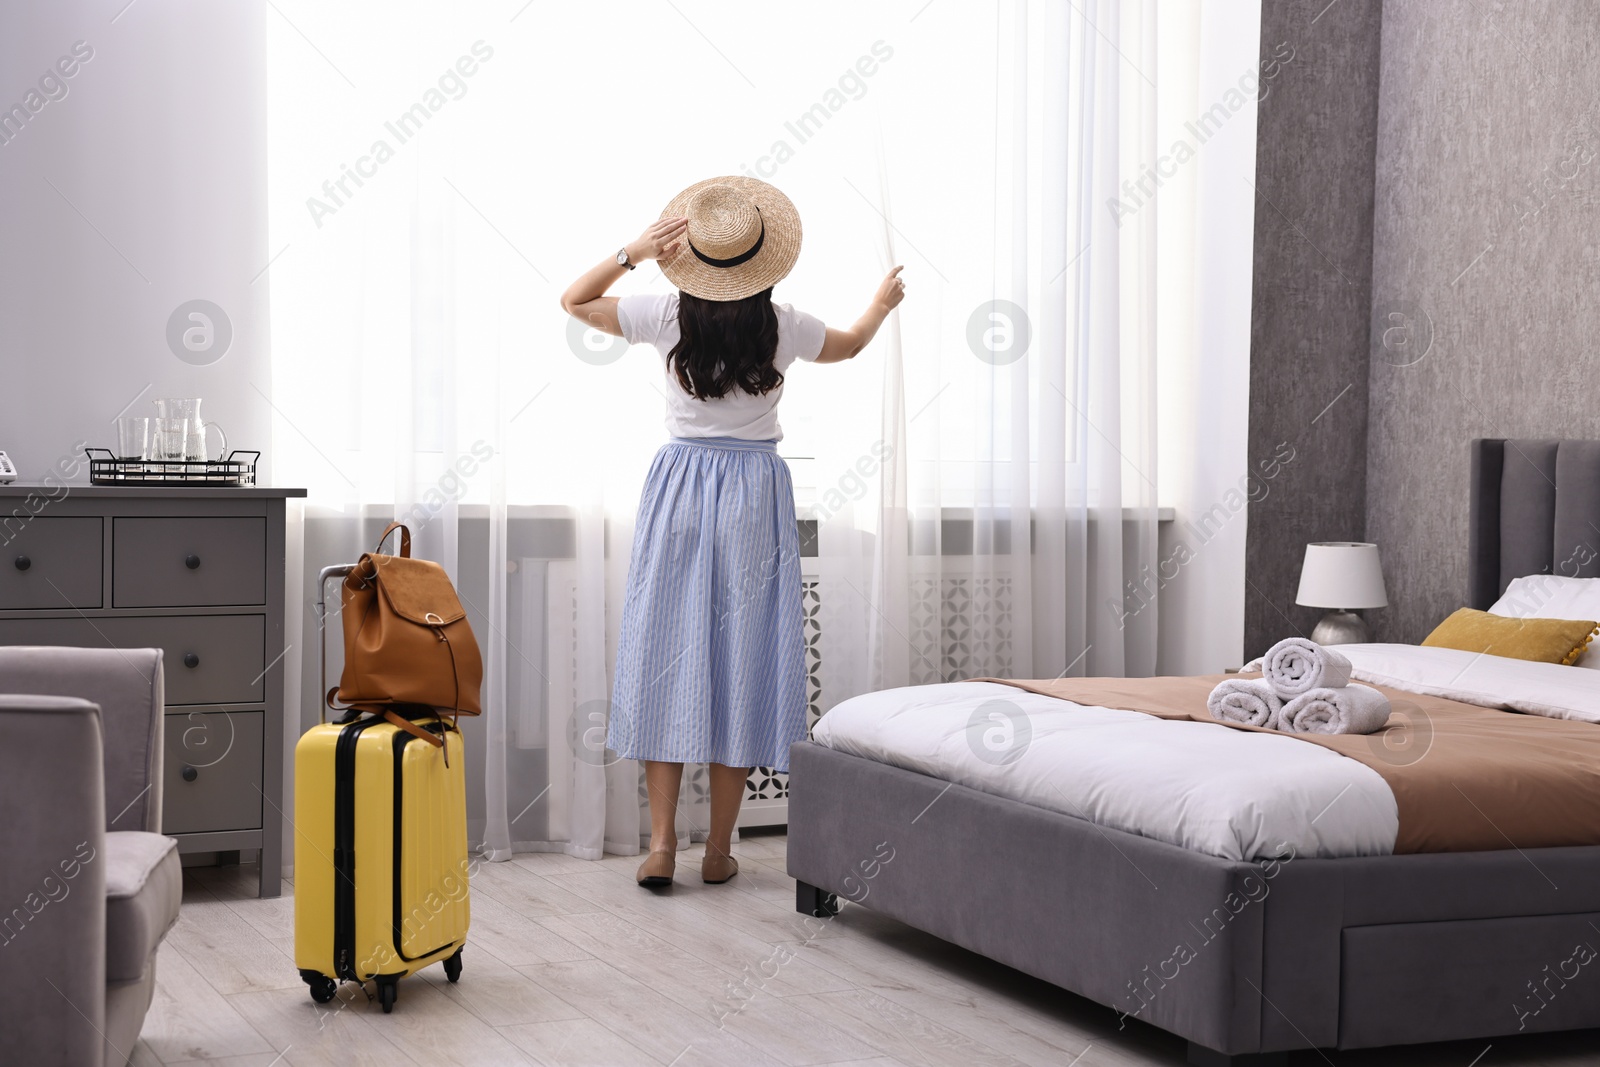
{"x":563,"y":511}
{"x":550,"y":531}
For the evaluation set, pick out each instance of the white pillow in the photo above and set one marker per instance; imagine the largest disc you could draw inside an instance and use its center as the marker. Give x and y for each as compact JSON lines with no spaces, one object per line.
{"x":1553,"y":596}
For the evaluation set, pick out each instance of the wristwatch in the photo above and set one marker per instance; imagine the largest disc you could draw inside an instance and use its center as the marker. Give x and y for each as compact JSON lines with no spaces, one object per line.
{"x":622,"y":258}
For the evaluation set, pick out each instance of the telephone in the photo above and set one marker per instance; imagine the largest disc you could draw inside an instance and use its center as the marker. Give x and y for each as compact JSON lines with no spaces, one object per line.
{"x":8,"y":470}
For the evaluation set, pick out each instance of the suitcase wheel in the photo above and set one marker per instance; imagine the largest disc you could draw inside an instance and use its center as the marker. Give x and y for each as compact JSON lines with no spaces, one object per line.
{"x":322,"y":987}
{"x":387,"y":988}
{"x":452,"y":967}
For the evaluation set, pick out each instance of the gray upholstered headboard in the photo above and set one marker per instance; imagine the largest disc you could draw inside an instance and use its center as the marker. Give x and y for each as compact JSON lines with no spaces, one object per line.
{"x":1535,"y":510}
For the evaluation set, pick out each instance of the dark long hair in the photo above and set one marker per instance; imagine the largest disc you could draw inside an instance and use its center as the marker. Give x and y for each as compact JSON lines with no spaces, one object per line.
{"x":725,"y":345}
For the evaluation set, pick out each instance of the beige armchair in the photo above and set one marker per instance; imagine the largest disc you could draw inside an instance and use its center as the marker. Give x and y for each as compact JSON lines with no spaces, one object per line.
{"x":88,"y":886}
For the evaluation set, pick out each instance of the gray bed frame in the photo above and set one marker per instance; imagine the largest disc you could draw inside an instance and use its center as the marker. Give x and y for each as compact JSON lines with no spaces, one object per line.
{"x":1246,"y":961}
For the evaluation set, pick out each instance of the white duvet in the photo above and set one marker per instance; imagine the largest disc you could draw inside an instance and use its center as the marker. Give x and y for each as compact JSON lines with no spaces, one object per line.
{"x":1201,"y":786}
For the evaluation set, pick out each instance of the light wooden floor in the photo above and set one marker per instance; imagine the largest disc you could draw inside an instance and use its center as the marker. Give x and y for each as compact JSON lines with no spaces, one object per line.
{"x":569,"y":962}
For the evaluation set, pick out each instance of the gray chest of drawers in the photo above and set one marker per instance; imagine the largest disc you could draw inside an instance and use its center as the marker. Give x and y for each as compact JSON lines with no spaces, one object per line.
{"x":198,"y":573}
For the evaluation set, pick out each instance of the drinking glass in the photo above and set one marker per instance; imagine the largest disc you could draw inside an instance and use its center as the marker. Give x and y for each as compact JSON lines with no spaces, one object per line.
{"x":189,"y":408}
{"x":171,"y":439}
{"x":133,"y":438}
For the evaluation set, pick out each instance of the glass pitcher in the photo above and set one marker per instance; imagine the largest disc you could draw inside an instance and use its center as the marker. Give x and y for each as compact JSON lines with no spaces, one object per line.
{"x":189,"y":408}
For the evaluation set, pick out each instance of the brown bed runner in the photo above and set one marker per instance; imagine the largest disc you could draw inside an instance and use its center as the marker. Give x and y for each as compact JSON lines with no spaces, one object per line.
{"x":1465,"y":778}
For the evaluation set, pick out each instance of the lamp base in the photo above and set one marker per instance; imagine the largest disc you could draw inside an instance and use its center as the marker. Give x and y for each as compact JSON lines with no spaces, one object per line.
{"x":1341,"y":628}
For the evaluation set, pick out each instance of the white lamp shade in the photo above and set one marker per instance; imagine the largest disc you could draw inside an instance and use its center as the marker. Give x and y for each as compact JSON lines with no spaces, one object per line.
{"x":1341,"y":574}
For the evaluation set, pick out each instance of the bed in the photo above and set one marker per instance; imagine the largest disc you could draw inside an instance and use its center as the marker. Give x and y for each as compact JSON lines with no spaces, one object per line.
{"x":1362,"y":933}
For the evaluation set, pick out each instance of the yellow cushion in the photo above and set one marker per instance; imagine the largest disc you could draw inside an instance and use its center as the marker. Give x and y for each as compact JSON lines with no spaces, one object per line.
{"x":1541,"y":640}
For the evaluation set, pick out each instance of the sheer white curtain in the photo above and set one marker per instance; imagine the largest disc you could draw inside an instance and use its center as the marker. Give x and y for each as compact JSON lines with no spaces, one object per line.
{"x":1019,"y":399}
{"x":980,"y":483}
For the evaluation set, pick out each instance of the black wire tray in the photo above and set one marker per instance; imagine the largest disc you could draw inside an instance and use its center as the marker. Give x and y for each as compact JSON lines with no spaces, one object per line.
{"x":106,"y":469}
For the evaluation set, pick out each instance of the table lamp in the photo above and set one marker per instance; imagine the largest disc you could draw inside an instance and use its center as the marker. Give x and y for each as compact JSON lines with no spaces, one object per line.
{"x":1344,"y":576}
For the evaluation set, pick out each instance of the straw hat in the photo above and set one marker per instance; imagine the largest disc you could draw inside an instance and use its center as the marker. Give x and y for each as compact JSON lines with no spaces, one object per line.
{"x":744,"y":236}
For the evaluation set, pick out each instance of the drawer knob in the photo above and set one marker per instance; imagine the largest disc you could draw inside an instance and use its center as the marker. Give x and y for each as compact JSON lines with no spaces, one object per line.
{"x":191,"y":660}
{"x":190,"y":774}
{"x":192,"y":561}
{"x":23,"y":563}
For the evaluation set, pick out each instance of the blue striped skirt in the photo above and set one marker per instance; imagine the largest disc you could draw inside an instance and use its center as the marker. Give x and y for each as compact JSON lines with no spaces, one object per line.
{"x":711,"y":660}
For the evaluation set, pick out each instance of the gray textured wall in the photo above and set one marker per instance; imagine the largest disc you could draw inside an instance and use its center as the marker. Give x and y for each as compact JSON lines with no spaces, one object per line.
{"x":1486,"y":269}
{"x":1311,"y":308}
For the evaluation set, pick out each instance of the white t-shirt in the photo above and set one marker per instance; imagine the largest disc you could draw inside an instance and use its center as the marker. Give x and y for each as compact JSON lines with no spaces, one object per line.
{"x":648,"y":318}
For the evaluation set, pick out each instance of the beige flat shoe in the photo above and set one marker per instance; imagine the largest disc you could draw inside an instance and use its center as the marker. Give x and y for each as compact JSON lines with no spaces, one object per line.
{"x":656,"y":870}
{"x":717,"y":867}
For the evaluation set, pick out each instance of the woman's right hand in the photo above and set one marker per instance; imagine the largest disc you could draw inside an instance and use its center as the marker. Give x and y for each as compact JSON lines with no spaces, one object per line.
{"x":660,"y":240}
{"x":891,"y":291}
{"x":839,"y":345}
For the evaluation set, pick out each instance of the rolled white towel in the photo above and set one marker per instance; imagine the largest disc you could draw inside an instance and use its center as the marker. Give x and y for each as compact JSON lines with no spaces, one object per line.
{"x":1350,"y":709}
{"x":1249,"y":701}
{"x":1295,"y":666}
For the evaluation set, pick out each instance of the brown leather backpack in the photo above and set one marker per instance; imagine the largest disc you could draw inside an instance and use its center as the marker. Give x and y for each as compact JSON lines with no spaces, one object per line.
{"x":406,"y":640}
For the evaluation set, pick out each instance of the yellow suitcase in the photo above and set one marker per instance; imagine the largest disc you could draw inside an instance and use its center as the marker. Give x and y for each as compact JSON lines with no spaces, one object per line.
{"x":380,"y":857}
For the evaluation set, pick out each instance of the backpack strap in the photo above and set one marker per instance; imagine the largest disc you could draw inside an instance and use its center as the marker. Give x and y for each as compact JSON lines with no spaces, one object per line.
{"x":455,"y":675}
{"x":416,"y":731}
{"x":405,"y":538}
{"x":389,"y":715}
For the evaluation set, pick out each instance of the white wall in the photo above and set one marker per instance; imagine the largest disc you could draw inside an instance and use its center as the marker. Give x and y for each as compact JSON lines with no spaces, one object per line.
{"x":141,"y":187}
{"x":1203,"y":343}
{"x":159,"y":145}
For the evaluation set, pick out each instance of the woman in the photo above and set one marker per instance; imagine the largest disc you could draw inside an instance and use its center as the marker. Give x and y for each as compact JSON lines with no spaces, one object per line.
{"x":711,"y":661}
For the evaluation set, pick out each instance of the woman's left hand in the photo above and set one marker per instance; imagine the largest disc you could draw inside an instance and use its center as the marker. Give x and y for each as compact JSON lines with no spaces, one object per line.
{"x":891,"y":290}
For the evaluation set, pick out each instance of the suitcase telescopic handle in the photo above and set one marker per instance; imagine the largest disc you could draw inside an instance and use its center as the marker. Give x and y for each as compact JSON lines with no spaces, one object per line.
{"x":338,"y":571}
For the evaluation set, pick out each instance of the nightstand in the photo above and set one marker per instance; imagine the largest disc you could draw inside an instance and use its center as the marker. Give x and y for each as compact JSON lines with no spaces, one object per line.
{"x":199,"y":574}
